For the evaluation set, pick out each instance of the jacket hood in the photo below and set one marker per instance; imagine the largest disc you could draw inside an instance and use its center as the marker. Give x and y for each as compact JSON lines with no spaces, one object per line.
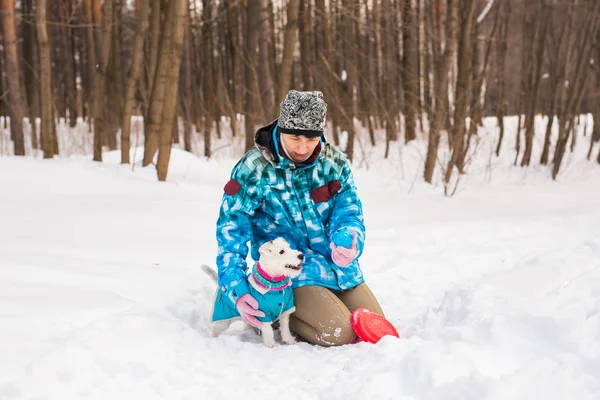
{"x":268,"y":140}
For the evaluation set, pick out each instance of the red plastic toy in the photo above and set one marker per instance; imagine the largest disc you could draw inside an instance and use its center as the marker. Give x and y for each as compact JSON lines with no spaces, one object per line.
{"x":370,"y":326}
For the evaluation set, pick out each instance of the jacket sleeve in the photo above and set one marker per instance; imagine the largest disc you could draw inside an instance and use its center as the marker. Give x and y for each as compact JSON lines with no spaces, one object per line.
{"x":347,"y":213}
{"x":234,"y":230}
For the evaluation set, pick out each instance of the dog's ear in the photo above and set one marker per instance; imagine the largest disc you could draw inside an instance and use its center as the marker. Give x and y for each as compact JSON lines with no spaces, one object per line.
{"x":267,"y":248}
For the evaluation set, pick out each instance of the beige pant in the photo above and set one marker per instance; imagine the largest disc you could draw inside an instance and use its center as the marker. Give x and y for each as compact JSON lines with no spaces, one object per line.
{"x":322,"y":315}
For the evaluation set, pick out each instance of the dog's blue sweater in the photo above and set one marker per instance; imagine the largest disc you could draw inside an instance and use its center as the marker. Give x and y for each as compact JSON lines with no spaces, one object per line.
{"x":273,"y":304}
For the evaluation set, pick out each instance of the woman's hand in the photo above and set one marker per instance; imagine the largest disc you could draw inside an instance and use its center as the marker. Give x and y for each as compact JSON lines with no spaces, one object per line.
{"x":247,"y":306}
{"x":342,"y":256}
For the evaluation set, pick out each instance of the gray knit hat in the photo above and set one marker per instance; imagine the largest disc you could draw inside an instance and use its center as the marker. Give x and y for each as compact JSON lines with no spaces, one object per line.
{"x":303,"y":113}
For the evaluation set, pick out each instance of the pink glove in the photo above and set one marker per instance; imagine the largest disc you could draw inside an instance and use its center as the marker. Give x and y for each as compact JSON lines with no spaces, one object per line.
{"x":247,"y":306}
{"x":342,"y":256}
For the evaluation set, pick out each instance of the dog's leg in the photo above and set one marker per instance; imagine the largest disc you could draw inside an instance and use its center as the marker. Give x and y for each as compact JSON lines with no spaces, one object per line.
{"x":284,"y":328}
{"x":218,"y":327}
{"x":268,"y":334}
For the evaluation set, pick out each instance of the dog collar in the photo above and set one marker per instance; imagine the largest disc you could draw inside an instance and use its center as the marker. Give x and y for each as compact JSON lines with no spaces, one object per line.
{"x":267,"y":281}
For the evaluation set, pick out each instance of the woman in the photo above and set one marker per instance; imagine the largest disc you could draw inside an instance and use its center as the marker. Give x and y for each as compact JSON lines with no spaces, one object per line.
{"x":294,"y":185}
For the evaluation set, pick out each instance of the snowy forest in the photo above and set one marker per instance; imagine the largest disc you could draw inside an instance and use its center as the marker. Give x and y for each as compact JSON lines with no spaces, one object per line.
{"x":426,"y":70}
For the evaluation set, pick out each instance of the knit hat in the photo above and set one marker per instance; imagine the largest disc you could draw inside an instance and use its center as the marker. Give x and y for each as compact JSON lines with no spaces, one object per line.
{"x":303,"y":113}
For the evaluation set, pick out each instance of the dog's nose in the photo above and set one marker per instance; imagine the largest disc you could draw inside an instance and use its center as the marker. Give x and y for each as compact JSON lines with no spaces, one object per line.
{"x":301,"y":257}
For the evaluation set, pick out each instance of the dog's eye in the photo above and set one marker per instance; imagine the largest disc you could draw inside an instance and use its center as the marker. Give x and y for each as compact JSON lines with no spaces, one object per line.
{"x":281,"y":251}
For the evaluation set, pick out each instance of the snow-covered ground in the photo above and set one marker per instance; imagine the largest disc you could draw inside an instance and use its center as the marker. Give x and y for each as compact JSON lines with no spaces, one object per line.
{"x":495,"y":290}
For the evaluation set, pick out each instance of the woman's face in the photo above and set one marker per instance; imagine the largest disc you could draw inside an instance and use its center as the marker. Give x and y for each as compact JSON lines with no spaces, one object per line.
{"x":299,"y":147}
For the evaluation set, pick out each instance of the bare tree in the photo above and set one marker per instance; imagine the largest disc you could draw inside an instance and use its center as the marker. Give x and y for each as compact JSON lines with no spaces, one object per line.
{"x":306,"y":45}
{"x":235,"y":50}
{"x":133,"y":76}
{"x":579,"y":80}
{"x":287,"y":57}
{"x":559,"y":48}
{"x":13,"y":76}
{"x":440,"y":109}
{"x":100,"y":82}
{"x":114,"y":79}
{"x":265,"y":80}
{"x":45,"y":80}
{"x":326,"y":77}
{"x":187,"y":84}
{"x":409,"y":71}
{"x":31,"y":68}
{"x":596,"y":98}
{"x":91,"y":55}
{"x":480,"y":73}
{"x":501,"y":51}
{"x":252,"y":100}
{"x":462,"y":86}
{"x":208,"y":85}
{"x":535,"y":76}
{"x":388,"y":73}
{"x":173,"y":53}
{"x":66,"y":38}
{"x":349,"y":30}
{"x":155,"y":109}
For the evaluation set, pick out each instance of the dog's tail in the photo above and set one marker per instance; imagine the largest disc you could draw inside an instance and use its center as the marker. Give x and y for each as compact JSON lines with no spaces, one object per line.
{"x":210,"y":272}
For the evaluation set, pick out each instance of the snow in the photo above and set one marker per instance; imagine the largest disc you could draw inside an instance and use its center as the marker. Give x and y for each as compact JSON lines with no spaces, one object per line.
{"x":495,"y":291}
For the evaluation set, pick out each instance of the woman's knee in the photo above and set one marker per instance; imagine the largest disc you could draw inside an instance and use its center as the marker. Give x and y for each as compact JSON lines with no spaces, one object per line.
{"x":336,"y":333}
{"x":339,"y":334}
{"x":321,"y":317}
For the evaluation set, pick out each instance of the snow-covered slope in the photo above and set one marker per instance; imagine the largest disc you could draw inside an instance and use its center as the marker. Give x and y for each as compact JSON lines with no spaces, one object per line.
{"x":495,"y":291}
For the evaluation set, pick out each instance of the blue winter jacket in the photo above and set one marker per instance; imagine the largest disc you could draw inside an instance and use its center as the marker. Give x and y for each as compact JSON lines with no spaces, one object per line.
{"x":269,"y":196}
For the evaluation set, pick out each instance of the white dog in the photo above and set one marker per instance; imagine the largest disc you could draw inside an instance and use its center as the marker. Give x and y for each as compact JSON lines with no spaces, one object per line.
{"x":270,"y":285}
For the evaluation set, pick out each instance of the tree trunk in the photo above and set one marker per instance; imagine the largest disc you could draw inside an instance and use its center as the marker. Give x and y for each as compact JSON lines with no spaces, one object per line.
{"x":97,"y":18}
{"x":421,"y":51}
{"x":45,"y":80}
{"x":287,"y":57}
{"x":409,"y":72}
{"x":349,"y":31}
{"x":31,"y":74}
{"x":440,"y":108}
{"x":133,"y":76}
{"x":306,"y":45}
{"x":479,"y":76}
{"x":325,"y":76}
{"x":579,"y":80}
{"x":65,"y":12}
{"x":388,"y":73}
{"x":209,"y":86}
{"x":252,"y":100}
{"x":187,"y":101}
{"x":540,"y":43}
{"x":157,"y":97}
{"x":100,"y":82}
{"x":265,"y":80}
{"x":462,"y":87}
{"x":558,"y":66}
{"x":501,"y":50}
{"x":13,"y":76}
{"x":233,"y":22}
{"x":91,"y":54}
{"x":155,"y":24}
{"x":368,"y":77}
{"x":173,"y":53}
{"x":114,"y":79}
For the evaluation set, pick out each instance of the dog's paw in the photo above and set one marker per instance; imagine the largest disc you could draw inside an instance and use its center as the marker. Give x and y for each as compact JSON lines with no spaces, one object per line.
{"x":290,"y":340}
{"x":270,"y":343}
